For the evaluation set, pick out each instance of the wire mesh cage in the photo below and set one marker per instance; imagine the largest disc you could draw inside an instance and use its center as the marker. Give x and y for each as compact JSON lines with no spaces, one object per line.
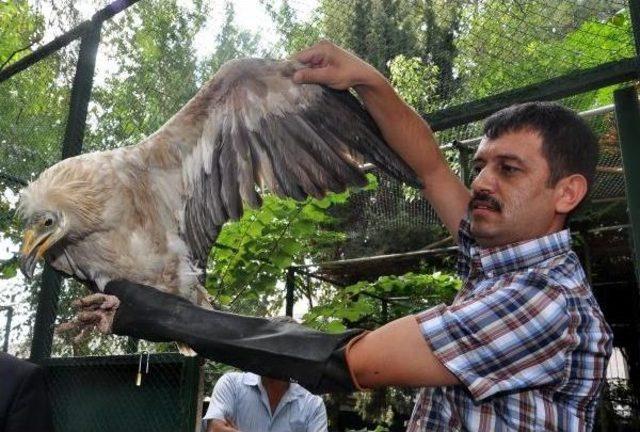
{"x":445,"y":58}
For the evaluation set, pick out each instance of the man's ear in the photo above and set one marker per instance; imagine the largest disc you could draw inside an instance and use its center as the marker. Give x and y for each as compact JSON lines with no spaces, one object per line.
{"x":569,"y":192}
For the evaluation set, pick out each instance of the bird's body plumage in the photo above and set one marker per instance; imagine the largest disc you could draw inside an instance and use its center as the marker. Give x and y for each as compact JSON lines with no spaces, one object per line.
{"x":150,"y":213}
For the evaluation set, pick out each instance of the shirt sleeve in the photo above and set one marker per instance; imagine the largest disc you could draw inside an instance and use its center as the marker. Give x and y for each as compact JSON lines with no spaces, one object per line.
{"x":506,"y":340}
{"x":318,"y":418}
{"x":222,"y":401}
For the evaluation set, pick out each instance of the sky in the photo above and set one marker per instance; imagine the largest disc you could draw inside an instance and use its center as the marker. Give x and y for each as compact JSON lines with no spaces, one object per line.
{"x":249,"y":15}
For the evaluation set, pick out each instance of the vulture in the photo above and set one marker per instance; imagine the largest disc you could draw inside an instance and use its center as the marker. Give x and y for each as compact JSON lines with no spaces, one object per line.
{"x":150,"y":213}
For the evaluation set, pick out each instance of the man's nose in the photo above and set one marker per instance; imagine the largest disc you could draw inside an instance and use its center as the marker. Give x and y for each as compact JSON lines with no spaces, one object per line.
{"x":484,"y":181}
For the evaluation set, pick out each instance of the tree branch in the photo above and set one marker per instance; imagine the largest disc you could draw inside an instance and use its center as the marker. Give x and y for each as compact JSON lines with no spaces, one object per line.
{"x":16,"y":52}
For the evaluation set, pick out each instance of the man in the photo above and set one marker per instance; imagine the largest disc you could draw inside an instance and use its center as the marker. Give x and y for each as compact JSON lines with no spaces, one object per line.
{"x":524,"y":346}
{"x":247,"y":402}
{"x":24,"y":404}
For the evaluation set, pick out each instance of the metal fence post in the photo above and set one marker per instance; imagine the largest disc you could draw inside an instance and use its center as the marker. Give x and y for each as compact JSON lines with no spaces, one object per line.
{"x":634,"y":11}
{"x":71,"y":146}
{"x":628,"y":118}
{"x":290,"y":285}
{"x":7,"y":328}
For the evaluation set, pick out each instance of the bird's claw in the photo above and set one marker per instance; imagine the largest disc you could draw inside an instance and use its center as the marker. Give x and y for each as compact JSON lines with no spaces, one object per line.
{"x":95,"y":311}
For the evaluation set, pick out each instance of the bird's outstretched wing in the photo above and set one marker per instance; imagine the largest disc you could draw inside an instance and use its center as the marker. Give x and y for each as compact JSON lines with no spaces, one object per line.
{"x":249,"y":126}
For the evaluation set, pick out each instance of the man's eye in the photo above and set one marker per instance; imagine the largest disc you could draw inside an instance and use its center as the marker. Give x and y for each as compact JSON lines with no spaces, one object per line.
{"x":509,"y":169}
{"x":475,"y":170}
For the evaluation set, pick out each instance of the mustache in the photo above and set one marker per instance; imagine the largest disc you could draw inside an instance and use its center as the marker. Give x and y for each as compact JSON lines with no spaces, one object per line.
{"x":484,"y":200}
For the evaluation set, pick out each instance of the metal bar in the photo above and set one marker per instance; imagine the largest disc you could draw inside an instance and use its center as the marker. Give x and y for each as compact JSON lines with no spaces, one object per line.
{"x":556,"y":88}
{"x":71,"y":146}
{"x":628,"y":120}
{"x":45,"y":315}
{"x":608,"y":200}
{"x":345,"y":262}
{"x":291,"y":286}
{"x":597,"y":111}
{"x":191,"y":392}
{"x":44,"y":51}
{"x":7,"y":328}
{"x":320,"y":278}
{"x":634,"y":11}
{"x":65,"y":39}
{"x":385,"y":311}
{"x":81,"y":93}
{"x":608,"y":228}
{"x":609,"y":170}
{"x":438,"y":243}
{"x":465,"y":172}
{"x":473,"y":142}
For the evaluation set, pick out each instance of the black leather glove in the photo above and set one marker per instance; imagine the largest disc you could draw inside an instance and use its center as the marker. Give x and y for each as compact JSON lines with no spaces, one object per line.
{"x":280,"y":350}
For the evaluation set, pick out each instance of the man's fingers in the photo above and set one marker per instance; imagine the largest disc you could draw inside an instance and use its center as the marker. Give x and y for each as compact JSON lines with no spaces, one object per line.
{"x":312,"y":75}
{"x":314,"y":55}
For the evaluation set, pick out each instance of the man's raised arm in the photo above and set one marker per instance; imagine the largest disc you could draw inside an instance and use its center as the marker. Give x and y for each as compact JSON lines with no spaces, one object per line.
{"x":403,"y":129}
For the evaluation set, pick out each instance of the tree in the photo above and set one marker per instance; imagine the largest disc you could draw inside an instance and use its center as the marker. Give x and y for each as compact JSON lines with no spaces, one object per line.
{"x":231,"y":43}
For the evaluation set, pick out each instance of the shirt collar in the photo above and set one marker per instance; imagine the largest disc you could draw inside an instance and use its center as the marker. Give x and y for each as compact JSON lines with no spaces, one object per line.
{"x":250,"y":379}
{"x":294,"y":391}
{"x":521,"y":255}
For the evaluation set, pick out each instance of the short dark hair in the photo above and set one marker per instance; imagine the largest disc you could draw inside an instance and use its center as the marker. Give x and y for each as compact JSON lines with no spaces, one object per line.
{"x":568,"y":143}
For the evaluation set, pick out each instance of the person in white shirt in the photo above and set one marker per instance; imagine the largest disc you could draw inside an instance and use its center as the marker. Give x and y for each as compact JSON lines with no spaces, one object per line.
{"x":246,"y":402}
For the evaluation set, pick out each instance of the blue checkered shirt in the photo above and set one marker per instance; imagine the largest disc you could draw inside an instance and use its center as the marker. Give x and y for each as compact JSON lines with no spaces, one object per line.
{"x":526,"y":338}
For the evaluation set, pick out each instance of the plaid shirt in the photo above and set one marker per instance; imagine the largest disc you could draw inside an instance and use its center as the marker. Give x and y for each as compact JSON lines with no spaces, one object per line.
{"x":526,"y":338}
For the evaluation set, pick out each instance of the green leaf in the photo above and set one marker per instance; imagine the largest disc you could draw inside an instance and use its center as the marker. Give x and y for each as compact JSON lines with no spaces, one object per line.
{"x":9,"y":269}
{"x":289,"y":246}
{"x":373,"y":182}
{"x":281,"y":260}
{"x":335,"y":327}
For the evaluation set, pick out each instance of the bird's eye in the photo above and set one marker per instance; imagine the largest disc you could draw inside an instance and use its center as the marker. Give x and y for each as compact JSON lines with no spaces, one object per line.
{"x":48,"y":222}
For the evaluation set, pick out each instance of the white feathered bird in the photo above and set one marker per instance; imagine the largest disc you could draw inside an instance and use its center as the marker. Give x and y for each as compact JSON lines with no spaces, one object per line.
{"x":149,"y":213}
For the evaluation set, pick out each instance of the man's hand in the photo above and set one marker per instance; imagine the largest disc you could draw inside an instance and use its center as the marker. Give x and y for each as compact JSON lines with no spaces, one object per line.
{"x":95,"y":311}
{"x":334,"y":67}
{"x":217,"y":425}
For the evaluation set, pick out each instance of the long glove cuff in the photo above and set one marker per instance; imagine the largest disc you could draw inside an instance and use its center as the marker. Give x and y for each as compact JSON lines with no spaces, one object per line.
{"x":279,"y":350}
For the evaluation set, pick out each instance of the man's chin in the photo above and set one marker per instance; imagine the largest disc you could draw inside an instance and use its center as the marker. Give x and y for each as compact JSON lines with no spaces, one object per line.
{"x":483,"y":233}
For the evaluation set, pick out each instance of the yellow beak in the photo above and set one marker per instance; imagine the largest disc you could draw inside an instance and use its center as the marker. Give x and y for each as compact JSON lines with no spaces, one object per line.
{"x":33,"y":249}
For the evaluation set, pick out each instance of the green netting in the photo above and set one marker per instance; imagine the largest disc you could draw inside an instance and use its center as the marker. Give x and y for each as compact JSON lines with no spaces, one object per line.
{"x":471,"y":49}
{"x":158,"y":403}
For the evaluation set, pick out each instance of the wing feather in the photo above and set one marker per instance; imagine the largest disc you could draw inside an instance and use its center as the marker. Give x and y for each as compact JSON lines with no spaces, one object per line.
{"x":251,"y":126}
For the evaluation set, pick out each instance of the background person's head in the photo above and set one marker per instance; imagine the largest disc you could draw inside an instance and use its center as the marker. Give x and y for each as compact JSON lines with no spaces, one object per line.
{"x":534,"y":166}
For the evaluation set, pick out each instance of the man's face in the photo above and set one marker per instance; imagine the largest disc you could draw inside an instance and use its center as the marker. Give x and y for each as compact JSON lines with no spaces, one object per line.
{"x":511,"y":199}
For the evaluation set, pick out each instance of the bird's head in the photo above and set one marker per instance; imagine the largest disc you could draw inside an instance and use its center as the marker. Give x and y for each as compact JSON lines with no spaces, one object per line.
{"x":61,"y":204}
